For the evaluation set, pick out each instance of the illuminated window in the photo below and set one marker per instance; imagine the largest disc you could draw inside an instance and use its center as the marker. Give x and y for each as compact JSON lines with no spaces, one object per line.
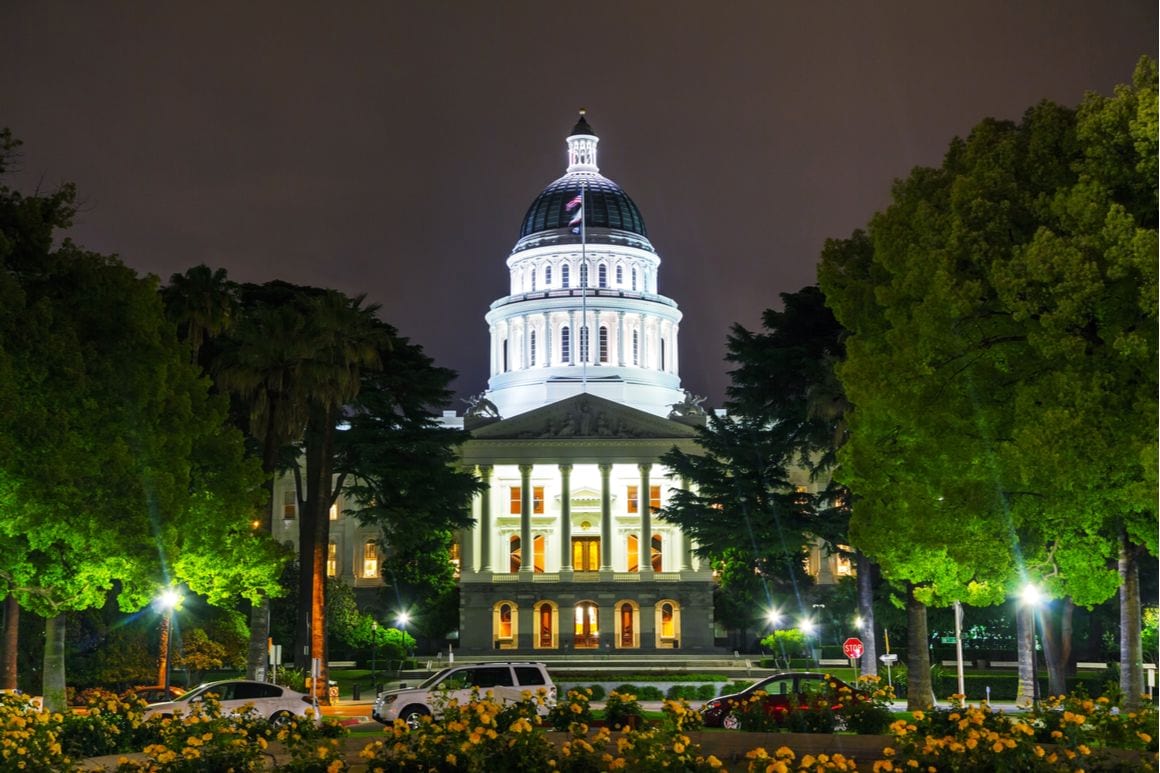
{"x":602,"y":275}
{"x":505,"y":622}
{"x":626,"y":629}
{"x":546,"y":632}
{"x":537,"y":500}
{"x":586,"y":554}
{"x":289,"y":504}
{"x":370,"y":560}
{"x":514,"y":557}
{"x":632,"y":548}
{"x":654,"y":498}
{"x":334,"y":512}
{"x":668,"y":621}
{"x":332,"y":560}
{"x":603,"y":343}
{"x":455,"y":562}
{"x":656,"y":553}
{"x":565,"y":344}
{"x":565,"y":275}
{"x":538,"y":553}
{"x":587,"y":628}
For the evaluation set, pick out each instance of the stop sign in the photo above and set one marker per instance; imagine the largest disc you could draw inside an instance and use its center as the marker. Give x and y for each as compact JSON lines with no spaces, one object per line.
{"x":852,"y":647}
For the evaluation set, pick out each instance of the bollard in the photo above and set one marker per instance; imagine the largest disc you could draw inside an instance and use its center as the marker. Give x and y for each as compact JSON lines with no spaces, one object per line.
{"x":356,"y":692}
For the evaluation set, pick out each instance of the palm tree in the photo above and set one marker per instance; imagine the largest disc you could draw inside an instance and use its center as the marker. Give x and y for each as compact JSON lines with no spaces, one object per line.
{"x":203,"y":303}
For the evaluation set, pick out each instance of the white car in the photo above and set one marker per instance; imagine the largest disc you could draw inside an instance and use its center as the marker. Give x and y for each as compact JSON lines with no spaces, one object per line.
{"x":507,"y":683}
{"x":270,"y":701}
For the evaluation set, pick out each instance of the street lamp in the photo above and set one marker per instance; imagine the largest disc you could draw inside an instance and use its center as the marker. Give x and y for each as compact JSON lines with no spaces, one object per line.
{"x":1032,"y":597}
{"x":167,"y":600}
{"x":374,"y":653}
{"x":774,"y":617}
{"x":402,"y":621}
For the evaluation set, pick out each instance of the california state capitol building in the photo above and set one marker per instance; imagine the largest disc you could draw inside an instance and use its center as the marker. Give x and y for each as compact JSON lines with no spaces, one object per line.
{"x":567,"y":553}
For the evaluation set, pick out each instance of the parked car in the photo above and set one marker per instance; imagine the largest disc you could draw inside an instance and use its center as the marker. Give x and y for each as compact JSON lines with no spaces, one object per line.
{"x":790,"y":688}
{"x":271,"y":701}
{"x":156,"y":693}
{"x":506,"y":681}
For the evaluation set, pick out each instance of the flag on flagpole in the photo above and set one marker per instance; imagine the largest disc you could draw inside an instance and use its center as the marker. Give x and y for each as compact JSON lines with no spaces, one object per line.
{"x":578,"y":216}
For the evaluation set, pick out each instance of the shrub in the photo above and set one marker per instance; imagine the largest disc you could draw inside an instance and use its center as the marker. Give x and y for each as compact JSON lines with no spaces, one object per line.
{"x":110,"y":726}
{"x":597,"y":692}
{"x":575,"y":708}
{"x":871,"y":716}
{"x":622,"y":710}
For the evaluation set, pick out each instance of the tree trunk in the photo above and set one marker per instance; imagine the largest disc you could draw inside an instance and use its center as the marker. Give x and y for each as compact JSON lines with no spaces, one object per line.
{"x":919,"y":690}
{"x":1056,"y":632}
{"x":257,"y":656}
{"x":1131,"y":647}
{"x":1025,"y":650}
{"x":55,"y":698}
{"x":9,"y":677}
{"x":866,"y":611}
{"x":314,"y":539}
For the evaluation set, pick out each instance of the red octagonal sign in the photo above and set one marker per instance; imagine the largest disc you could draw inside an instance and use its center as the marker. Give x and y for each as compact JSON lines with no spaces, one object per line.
{"x":852,"y":647}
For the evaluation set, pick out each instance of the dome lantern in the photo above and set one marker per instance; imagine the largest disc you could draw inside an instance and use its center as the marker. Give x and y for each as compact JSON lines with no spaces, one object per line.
{"x":582,"y":147}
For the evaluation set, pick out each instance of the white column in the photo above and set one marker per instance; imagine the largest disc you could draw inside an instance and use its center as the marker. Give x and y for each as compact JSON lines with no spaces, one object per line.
{"x":485,"y":519}
{"x":575,"y":335}
{"x":620,"y":342}
{"x":526,"y":551}
{"x":547,"y":344}
{"x":643,"y":342}
{"x":565,"y":517}
{"x":605,"y":518}
{"x":645,"y":522}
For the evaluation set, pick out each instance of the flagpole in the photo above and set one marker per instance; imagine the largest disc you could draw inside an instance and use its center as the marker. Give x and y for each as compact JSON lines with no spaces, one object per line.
{"x":585,"y":332}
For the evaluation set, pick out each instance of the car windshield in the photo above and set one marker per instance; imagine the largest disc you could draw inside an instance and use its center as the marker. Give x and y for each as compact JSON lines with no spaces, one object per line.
{"x":434,"y":679}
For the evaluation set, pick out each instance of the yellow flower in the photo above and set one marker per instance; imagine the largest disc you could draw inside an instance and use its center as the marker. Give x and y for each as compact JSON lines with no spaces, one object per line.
{"x":1144,"y":737}
{"x":918,"y":715}
{"x":807,"y":761}
{"x":1084,"y":749}
{"x":713,"y":762}
{"x":451,"y":759}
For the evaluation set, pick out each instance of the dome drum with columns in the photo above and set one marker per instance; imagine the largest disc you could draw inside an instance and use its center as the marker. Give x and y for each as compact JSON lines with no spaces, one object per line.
{"x":583,"y":314}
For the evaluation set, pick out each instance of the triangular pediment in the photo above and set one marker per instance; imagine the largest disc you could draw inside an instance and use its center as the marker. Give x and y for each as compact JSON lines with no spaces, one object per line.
{"x":584,"y":416}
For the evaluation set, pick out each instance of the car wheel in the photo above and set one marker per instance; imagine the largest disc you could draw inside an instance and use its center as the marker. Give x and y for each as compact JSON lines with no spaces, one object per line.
{"x":413,"y":715}
{"x":731,"y":722}
{"x":280,"y":718}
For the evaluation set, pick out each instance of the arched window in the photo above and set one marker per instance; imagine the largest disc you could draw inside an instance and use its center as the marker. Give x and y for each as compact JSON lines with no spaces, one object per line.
{"x":332,"y":559}
{"x":504,"y":630}
{"x":532,"y":348}
{"x":514,"y":554}
{"x":586,"y":626}
{"x":583,"y":274}
{"x":634,"y":277}
{"x":584,"y":343}
{"x":632,"y":553}
{"x":657,"y":553}
{"x":602,"y":275}
{"x":627,"y":634}
{"x":636,"y":347}
{"x":619,"y":275}
{"x":602,"y":341}
{"x":668,"y":621}
{"x":565,"y":344}
{"x":565,"y":275}
{"x":547,"y":629}
{"x":547,"y":277}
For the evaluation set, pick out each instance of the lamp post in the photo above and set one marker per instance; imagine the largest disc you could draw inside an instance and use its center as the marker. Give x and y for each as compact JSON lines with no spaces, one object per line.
{"x":167,"y":601}
{"x":1033,"y":598}
{"x":402,"y":621}
{"x":807,"y":627}
{"x":374,"y":653}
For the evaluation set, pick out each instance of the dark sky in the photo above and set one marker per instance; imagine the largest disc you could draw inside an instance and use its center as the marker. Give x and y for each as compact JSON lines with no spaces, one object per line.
{"x":391,"y":148}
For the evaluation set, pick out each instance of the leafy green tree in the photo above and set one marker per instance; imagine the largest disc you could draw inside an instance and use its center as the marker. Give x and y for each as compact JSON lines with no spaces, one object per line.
{"x":116,"y":465}
{"x":1002,"y":322}
{"x":199,"y":653}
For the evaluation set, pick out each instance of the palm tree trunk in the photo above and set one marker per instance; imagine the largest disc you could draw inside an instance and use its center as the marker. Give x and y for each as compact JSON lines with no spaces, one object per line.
{"x":314,"y":528}
{"x":919,"y":690}
{"x":1057,"y":645}
{"x":54,"y":678}
{"x":257,"y":657}
{"x":866,"y":611}
{"x":1025,"y":652}
{"x":1131,"y":649}
{"x":10,"y":676}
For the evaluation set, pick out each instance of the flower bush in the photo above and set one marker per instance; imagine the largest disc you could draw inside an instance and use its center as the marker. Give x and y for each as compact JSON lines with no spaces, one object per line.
{"x":204,"y":739}
{"x":869,"y":712}
{"x":30,"y":738}
{"x":1078,"y":731}
{"x":622,"y":710}
{"x":575,"y":708}
{"x":784,"y":760}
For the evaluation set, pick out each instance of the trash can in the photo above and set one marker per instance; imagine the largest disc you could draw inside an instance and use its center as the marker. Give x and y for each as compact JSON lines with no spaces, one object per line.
{"x":355,"y":692}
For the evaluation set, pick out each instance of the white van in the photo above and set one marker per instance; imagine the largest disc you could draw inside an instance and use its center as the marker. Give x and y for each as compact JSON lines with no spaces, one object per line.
{"x":506,"y":681}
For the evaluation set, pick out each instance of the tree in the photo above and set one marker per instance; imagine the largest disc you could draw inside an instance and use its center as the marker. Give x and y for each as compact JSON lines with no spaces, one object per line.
{"x":112,"y":445}
{"x":1002,"y":321}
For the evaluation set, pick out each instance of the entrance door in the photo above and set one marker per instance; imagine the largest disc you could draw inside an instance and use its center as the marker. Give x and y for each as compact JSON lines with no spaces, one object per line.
{"x":587,"y":629}
{"x":586,"y":554}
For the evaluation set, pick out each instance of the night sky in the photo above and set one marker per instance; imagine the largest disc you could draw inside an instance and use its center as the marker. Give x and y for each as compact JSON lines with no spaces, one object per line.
{"x":392,"y":148}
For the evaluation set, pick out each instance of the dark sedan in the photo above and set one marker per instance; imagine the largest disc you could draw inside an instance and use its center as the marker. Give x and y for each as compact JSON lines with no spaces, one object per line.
{"x":780,"y":691}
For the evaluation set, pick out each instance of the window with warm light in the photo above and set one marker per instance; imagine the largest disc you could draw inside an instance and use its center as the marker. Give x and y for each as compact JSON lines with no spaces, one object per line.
{"x":334,"y":512}
{"x":538,"y":544}
{"x":517,"y":500}
{"x":632,"y":552}
{"x":668,"y":621}
{"x":455,"y":562}
{"x":370,"y":561}
{"x":633,"y":500}
{"x":586,"y":554}
{"x":505,"y":622}
{"x":657,"y":553}
{"x":289,"y":504}
{"x":332,"y":560}
{"x":515,"y":558}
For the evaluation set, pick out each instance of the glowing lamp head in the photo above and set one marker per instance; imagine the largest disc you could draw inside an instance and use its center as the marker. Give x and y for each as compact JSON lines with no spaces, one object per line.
{"x":773,"y":616}
{"x":403,"y":619}
{"x":169,"y":598}
{"x":806,"y":626}
{"x":1031,"y":595}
